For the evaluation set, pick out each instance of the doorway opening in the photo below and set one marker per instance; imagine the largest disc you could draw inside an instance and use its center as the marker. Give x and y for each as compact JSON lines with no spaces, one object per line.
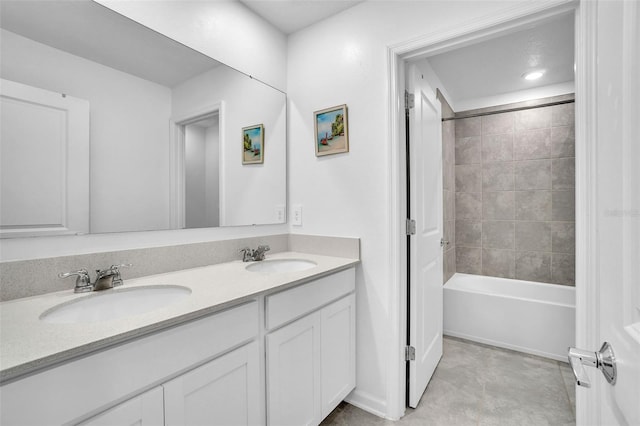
{"x":501,"y":233}
{"x":196,"y":170}
{"x":201,"y":149}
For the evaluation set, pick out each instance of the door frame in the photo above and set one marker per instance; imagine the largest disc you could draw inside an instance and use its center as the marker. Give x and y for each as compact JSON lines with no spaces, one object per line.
{"x":177,"y":162}
{"x":508,"y":21}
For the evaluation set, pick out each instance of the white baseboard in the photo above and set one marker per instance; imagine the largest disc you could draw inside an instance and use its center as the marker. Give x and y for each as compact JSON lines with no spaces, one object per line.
{"x":367,"y":403}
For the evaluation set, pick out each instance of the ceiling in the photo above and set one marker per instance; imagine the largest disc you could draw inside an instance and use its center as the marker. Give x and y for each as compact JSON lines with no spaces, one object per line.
{"x":496,"y":66}
{"x":290,"y":16}
{"x":480,"y":70}
{"x":89,"y":30}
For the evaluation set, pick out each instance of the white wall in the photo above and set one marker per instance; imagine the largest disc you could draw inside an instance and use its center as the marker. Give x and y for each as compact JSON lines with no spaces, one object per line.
{"x":344,"y":60}
{"x":225,"y":30}
{"x":194,"y":176}
{"x":129,"y":139}
{"x":249,"y":193}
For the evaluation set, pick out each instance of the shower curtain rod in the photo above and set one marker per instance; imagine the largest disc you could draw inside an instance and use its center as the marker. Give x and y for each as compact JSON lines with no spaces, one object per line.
{"x":480,"y":114}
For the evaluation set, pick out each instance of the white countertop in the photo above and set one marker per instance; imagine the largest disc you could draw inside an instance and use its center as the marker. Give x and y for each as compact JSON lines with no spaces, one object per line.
{"x":29,"y":343}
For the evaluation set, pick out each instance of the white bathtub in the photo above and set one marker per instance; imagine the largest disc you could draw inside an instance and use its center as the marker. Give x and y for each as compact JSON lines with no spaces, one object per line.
{"x":525,"y":316}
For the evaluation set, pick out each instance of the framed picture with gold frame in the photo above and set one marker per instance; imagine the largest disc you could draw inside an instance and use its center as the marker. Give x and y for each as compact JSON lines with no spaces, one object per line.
{"x":331,"y":130}
{"x":253,"y":144}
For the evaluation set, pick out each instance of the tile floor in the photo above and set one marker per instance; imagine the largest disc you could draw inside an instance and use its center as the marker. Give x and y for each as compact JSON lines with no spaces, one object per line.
{"x":476,"y":384}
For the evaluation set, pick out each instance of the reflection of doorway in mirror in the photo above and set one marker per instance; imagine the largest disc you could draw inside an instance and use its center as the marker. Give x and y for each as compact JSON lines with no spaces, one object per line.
{"x":196,"y":167}
{"x":201,"y":156}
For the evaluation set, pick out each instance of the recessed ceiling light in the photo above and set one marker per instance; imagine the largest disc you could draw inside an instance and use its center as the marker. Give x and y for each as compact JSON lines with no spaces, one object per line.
{"x":533,"y":75}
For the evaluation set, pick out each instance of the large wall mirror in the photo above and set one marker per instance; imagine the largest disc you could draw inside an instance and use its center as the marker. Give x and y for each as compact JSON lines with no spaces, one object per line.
{"x":157,"y":135}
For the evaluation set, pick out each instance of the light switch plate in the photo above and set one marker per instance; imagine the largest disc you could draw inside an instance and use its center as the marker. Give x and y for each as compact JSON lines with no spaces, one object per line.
{"x":297,"y":215}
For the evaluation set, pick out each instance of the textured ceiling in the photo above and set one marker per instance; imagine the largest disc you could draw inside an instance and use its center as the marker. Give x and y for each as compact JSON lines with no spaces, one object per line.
{"x":90,"y":30}
{"x":496,"y":66}
{"x":290,"y":16}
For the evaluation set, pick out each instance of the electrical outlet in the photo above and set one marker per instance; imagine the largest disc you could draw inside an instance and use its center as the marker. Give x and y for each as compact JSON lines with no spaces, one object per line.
{"x":280,"y":218}
{"x":297,"y":215}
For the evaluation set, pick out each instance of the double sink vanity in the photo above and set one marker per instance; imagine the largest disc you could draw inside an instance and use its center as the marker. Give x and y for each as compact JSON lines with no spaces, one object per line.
{"x":267,"y":342}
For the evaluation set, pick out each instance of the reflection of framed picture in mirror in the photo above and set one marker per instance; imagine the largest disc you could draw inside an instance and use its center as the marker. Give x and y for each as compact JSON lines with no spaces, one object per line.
{"x":332,"y":136}
{"x":253,"y":144}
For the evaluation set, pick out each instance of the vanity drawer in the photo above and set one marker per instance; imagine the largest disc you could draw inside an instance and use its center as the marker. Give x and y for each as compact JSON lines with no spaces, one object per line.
{"x":293,"y":303}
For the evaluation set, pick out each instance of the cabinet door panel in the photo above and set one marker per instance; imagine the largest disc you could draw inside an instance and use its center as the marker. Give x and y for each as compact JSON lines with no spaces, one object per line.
{"x":293,"y":373}
{"x":338,"y":352}
{"x":143,"y":410}
{"x":224,"y":391}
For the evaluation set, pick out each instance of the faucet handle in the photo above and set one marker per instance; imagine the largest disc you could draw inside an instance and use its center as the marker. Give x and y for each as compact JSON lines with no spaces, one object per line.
{"x":117,"y":279}
{"x":83,"y":281}
{"x":258,"y":254}
{"x":247,"y":254}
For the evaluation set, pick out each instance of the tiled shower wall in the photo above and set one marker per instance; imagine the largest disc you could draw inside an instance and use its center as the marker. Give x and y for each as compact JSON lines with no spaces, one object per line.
{"x":515,"y":194}
{"x":448,"y":193}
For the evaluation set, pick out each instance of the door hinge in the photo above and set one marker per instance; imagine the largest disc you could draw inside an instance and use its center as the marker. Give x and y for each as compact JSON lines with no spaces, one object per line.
{"x":409,"y":353}
{"x":409,"y":100}
{"x":411,"y":227}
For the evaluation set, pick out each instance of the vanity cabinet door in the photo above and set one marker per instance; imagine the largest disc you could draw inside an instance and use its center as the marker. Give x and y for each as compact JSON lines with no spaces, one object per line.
{"x":293,"y":373}
{"x":224,"y":391}
{"x":143,"y":410}
{"x":311,"y":365}
{"x":338,"y":352}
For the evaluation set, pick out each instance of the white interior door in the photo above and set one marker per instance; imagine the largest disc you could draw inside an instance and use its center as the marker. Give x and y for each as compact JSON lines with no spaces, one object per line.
{"x":425,"y":275}
{"x":609,"y":290}
{"x":50,"y":132}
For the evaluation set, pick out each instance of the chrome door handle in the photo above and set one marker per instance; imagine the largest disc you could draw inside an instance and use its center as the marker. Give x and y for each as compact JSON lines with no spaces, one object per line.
{"x":604,"y":360}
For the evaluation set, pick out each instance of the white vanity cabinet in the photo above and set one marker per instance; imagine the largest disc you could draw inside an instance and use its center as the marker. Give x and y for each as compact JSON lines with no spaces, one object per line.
{"x":285,"y":357}
{"x":122,"y":383}
{"x":145,"y":409}
{"x":311,"y":358}
{"x":225,"y":392}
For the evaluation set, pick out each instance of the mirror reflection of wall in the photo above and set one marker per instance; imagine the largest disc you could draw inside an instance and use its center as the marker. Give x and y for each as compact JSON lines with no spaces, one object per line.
{"x":137,"y":83}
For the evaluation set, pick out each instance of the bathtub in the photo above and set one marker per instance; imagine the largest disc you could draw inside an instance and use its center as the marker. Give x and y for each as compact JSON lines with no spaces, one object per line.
{"x":525,"y":316}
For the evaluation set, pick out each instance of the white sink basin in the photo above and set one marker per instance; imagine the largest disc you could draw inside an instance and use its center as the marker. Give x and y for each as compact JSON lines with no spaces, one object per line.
{"x":114,"y":304}
{"x":281,"y":265}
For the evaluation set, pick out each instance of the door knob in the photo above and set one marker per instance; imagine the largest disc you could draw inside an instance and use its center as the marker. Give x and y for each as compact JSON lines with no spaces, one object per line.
{"x":604,"y":360}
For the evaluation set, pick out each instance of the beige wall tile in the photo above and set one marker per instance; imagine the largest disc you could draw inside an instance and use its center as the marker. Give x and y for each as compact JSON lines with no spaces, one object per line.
{"x":468,"y":178}
{"x":533,"y":236}
{"x":498,"y":234}
{"x":532,"y":144}
{"x":533,"y":205}
{"x":498,"y":205}
{"x":533,"y":266}
{"x":498,"y":263}
{"x":533,"y":174}
{"x":497,"y":148}
{"x":498,"y":176}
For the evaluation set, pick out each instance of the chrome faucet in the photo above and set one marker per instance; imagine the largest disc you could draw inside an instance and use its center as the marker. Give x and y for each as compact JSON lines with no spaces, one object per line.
{"x":249,"y":255}
{"x":109,"y":278}
{"x":83,"y":281}
{"x":105,"y":278}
